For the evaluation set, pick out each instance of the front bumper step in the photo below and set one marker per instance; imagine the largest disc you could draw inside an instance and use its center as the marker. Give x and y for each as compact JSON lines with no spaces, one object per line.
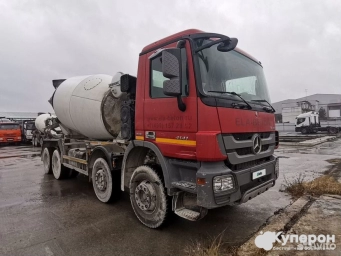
{"x":185,"y":186}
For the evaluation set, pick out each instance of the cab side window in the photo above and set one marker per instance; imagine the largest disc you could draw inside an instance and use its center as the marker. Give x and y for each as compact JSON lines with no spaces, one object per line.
{"x":300,"y":120}
{"x":157,"y":78}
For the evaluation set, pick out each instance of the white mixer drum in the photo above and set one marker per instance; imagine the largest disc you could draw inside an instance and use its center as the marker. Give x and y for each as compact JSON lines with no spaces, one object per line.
{"x":40,"y":121}
{"x":86,"y":105}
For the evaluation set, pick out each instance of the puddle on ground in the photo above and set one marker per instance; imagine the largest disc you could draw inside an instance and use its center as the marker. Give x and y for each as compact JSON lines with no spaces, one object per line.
{"x":29,"y":156}
{"x":21,"y":156}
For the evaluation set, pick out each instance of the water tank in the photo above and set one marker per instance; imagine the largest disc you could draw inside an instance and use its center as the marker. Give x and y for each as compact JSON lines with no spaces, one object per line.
{"x":86,"y":104}
{"x":40,"y":121}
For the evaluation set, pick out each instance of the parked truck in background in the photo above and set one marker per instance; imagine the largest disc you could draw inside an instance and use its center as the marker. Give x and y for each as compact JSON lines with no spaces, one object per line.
{"x":193,"y":131}
{"x":27,"y":129}
{"x":310,"y":123}
{"x":10,"y":132}
{"x":41,"y":122}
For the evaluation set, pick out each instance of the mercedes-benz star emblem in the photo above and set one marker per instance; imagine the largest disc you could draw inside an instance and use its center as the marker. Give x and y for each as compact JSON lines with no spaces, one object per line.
{"x":256,"y":144}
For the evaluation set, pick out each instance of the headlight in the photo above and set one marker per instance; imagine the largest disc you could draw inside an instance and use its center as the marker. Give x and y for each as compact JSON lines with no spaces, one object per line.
{"x":19,"y":138}
{"x":222,"y":183}
{"x":1,"y":139}
{"x":277,"y":168}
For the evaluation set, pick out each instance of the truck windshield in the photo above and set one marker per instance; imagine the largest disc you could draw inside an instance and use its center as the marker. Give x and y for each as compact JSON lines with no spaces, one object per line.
{"x":9,"y":126}
{"x":231,"y":72}
{"x":30,"y":126}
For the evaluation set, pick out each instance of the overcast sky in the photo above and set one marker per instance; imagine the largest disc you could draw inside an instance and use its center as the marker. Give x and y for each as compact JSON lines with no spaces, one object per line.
{"x":298,"y":42}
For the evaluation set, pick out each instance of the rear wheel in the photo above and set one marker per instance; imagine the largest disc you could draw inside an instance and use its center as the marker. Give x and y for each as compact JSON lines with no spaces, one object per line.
{"x":59,"y":171}
{"x":148,"y":197}
{"x":47,"y":160}
{"x":333,"y":130}
{"x":102,"y":181}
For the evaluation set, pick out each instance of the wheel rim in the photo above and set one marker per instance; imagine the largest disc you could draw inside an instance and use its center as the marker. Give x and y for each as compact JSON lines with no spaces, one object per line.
{"x":145,"y":196}
{"x":101,"y":180}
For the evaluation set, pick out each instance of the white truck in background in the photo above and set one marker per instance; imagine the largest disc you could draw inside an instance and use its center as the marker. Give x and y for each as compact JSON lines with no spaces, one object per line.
{"x":310,"y":123}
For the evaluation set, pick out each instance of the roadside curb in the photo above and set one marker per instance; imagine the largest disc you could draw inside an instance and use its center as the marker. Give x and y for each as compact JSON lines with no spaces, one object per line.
{"x":280,"y":222}
{"x":310,"y":142}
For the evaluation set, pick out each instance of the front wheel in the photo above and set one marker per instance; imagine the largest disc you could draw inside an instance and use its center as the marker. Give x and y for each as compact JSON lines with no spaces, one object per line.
{"x":148,"y":197}
{"x":304,"y":131}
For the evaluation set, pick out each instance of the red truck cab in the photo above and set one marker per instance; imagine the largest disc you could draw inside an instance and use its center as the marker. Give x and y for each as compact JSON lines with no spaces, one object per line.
{"x":197,"y":132}
{"x":203,"y":106}
{"x":10,"y":132}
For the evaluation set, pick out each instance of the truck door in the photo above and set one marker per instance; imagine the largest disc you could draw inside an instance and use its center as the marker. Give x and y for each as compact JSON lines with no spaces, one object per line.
{"x":172,"y":130}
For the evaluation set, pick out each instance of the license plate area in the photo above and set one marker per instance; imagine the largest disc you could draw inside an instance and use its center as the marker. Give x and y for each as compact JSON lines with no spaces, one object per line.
{"x":258,"y":174}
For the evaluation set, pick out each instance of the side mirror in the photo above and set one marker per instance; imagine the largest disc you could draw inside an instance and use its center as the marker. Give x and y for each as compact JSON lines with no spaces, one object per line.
{"x":227,"y":45}
{"x":171,"y":68}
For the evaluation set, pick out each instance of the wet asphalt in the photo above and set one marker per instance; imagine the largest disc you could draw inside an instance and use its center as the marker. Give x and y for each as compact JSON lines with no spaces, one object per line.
{"x":42,"y":216}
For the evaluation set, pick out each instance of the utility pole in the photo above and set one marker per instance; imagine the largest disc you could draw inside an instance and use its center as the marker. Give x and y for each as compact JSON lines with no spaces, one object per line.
{"x":306,"y":94}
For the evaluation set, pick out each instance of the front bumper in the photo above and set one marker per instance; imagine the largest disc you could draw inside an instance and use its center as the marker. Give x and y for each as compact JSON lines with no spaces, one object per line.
{"x":245,"y":188}
{"x":10,"y":140}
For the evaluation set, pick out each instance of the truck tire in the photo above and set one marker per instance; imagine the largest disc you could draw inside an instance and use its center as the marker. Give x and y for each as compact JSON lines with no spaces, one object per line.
{"x":41,"y":142}
{"x":59,"y":171}
{"x":304,"y":131}
{"x":333,"y":130}
{"x":102,"y":181}
{"x":47,"y":157}
{"x":148,"y":197}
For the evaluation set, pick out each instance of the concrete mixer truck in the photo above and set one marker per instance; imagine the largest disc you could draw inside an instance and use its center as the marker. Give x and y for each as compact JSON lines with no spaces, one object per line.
{"x":194,"y":130}
{"x":41,"y":131}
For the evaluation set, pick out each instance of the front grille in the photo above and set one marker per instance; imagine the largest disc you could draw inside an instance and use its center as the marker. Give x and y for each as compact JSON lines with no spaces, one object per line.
{"x":239,"y":148}
{"x":248,"y":151}
{"x":10,"y":135}
{"x":248,"y":136}
{"x":265,"y":147}
{"x":244,"y":151}
{"x":254,"y":183}
{"x":246,"y":165}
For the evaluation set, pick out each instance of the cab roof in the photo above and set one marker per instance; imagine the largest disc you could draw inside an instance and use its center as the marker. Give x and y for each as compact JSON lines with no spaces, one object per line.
{"x":178,"y":36}
{"x":311,"y":113}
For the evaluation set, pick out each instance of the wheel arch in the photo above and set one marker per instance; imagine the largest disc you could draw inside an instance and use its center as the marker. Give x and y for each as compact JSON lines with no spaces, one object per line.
{"x":99,"y":151}
{"x":54,"y":144}
{"x":135,"y":156}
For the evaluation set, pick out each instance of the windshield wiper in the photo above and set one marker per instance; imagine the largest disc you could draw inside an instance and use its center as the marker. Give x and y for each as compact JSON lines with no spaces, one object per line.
{"x":236,"y":94}
{"x":265,"y":108}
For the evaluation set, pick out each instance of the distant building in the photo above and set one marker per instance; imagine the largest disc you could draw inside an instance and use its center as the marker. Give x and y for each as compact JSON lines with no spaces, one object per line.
{"x":328,"y":106}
